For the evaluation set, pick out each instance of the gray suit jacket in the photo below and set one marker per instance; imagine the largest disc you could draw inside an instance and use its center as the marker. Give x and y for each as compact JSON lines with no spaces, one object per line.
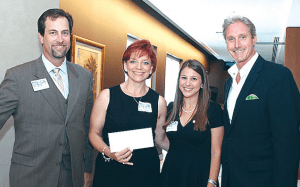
{"x":39,"y":124}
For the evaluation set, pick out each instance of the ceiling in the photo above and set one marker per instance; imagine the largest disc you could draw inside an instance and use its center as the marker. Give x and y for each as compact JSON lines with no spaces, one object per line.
{"x":202,"y":20}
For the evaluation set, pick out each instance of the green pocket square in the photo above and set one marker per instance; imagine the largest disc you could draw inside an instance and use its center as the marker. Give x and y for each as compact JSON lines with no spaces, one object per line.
{"x":251,"y":97}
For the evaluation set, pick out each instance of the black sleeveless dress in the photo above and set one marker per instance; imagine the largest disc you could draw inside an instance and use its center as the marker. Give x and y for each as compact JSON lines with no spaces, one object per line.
{"x":122,"y":115}
{"x":187,"y":163}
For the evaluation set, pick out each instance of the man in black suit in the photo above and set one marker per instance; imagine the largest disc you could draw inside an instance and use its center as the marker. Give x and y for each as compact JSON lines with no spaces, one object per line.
{"x":262,"y":115}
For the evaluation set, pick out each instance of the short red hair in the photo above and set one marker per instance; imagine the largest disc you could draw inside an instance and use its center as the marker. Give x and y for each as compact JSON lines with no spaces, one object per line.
{"x":145,"y":48}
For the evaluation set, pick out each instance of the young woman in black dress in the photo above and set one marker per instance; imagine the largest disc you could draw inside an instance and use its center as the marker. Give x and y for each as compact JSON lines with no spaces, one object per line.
{"x":194,"y":130}
{"x":128,"y":106}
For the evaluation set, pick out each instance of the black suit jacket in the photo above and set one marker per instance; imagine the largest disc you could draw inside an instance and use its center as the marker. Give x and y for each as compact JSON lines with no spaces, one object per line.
{"x":261,"y":145}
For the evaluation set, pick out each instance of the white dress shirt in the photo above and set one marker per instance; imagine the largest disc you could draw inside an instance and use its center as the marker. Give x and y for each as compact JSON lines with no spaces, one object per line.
{"x":63,"y":73}
{"x":235,"y":88}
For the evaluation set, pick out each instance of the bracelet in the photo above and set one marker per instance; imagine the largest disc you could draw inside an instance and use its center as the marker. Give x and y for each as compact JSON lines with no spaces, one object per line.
{"x":212,"y":182}
{"x":107,"y":159}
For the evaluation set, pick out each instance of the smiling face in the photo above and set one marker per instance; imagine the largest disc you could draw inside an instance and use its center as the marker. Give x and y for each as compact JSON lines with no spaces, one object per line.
{"x":240,"y":44}
{"x":138,"y":67}
{"x":190,"y":83}
{"x":56,"y":40}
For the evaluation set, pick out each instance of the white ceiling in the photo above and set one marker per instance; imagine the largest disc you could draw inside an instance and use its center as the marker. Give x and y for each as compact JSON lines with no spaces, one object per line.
{"x":203,"y":19}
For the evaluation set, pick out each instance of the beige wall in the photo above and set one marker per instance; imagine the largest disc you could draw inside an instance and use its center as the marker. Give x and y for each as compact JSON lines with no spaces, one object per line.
{"x":108,"y":22}
{"x":292,"y":54}
{"x":19,"y":34}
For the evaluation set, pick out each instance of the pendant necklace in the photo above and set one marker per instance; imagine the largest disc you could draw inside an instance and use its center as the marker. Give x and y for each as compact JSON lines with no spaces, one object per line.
{"x":139,"y":100}
{"x":133,"y":97}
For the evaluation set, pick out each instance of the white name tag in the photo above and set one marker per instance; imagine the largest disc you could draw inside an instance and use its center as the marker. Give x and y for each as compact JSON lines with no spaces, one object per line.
{"x":40,"y":84}
{"x":172,"y":126}
{"x":145,"y":107}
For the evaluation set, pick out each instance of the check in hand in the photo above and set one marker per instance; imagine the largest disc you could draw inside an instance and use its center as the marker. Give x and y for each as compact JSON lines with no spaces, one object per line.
{"x":123,"y":156}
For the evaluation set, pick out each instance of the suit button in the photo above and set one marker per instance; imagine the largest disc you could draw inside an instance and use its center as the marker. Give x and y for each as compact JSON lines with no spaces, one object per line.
{"x":57,"y":164}
{"x":230,"y":139}
{"x":60,"y":144}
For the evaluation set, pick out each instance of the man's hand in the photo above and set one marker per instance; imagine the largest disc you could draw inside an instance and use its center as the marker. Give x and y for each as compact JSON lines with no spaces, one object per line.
{"x":88,"y":179}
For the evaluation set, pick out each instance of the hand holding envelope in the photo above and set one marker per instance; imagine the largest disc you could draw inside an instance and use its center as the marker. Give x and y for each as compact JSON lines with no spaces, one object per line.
{"x":123,"y":156}
{"x":134,"y":139}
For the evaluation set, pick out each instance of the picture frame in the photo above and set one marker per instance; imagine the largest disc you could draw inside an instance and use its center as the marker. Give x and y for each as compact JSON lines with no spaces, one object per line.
{"x":91,"y":56}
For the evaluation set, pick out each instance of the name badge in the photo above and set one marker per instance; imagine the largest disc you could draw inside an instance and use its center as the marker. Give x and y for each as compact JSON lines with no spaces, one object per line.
{"x":40,"y":84}
{"x":172,"y":126}
{"x":144,"y":107}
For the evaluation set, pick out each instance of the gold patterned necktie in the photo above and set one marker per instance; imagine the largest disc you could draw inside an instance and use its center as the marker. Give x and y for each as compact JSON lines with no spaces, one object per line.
{"x":58,"y":80}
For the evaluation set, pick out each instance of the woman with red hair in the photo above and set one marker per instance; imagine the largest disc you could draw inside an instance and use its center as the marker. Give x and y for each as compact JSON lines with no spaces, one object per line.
{"x":128,"y":106}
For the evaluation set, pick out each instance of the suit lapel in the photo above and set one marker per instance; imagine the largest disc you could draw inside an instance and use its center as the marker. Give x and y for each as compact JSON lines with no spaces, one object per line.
{"x":251,"y":79}
{"x":49,"y":94}
{"x":227,"y":88}
{"x":74,"y":88}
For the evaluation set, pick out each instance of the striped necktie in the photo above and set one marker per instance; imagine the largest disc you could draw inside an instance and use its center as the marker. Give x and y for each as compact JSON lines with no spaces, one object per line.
{"x":58,"y":81}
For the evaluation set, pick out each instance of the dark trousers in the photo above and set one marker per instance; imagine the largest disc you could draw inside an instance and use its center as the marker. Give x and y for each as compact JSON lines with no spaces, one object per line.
{"x":228,"y":181}
{"x":65,"y":175}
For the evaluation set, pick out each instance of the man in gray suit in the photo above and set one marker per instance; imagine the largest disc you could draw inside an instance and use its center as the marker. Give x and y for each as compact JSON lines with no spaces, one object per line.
{"x":50,"y":100}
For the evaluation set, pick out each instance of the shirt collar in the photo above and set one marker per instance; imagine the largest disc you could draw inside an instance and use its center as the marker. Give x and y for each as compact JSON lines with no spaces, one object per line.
{"x":244,"y":71}
{"x":49,"y":66}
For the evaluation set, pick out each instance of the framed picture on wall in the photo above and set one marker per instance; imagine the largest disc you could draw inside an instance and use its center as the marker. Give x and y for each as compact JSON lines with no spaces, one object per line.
{"x":90,"y":55}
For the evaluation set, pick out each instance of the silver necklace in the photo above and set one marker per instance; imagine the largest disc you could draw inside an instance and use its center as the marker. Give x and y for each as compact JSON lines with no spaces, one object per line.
{"x":139,"y":100}
{"x":132,"y":96}
{"x":188,"y":111}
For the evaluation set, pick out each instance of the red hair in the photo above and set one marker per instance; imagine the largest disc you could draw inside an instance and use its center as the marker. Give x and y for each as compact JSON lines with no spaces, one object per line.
{"x":144,"y":47}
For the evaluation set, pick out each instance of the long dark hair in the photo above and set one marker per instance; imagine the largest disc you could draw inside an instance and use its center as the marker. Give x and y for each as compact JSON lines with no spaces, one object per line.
{"x":200,"y":114}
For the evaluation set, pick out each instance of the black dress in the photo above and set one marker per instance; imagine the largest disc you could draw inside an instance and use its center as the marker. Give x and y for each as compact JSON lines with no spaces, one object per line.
{"x":122,"y":114}
{"x":187,"y":163}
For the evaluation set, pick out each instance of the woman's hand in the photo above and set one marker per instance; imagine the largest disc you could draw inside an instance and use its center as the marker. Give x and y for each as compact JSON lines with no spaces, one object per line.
{"x":122,"y":156}
{"x":210,"y":185}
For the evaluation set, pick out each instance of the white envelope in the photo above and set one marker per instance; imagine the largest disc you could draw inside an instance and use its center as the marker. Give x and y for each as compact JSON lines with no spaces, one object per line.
{"x":134,"y":139}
